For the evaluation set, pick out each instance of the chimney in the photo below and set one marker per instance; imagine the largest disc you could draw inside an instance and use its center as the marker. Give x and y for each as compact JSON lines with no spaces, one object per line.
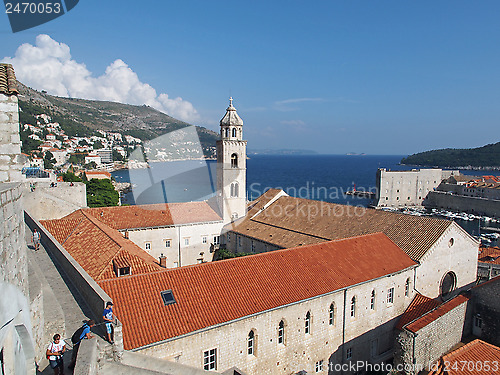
{"x":163,"y":261}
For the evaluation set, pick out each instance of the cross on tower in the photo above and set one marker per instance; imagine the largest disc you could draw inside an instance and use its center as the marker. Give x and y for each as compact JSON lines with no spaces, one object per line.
{"x":230,"y":101}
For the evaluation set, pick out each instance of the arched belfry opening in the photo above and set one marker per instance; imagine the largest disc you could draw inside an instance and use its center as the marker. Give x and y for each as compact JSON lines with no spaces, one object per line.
{"x":234,"y":161}
{"x":231,"y":166}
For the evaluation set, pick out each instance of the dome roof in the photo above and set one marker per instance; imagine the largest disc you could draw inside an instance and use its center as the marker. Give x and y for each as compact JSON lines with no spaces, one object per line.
{"x":231,"y":118}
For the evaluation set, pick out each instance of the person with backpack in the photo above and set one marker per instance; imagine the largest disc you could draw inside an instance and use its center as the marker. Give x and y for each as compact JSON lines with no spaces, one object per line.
{"x":80,"y":334}
{"x":54,"y":354}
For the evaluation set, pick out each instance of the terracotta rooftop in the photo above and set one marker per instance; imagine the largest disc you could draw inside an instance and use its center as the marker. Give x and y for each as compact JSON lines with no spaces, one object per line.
{"x":418,"y":307}
{"x":8,"y":82}
{"x":154,"y":215}
{"x":217,"y":292}
{"x":290,"y":222}
{"x":436,"y":313}
{"x":97,"y":247}
{"x":489,"y":255}
{"x":470,"y":359}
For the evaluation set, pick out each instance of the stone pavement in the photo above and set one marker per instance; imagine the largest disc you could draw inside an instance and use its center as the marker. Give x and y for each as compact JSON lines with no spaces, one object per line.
{"x":64,"y":308}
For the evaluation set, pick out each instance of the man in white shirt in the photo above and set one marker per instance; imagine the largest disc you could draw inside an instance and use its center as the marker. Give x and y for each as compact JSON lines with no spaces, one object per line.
{"x":55,"y":352}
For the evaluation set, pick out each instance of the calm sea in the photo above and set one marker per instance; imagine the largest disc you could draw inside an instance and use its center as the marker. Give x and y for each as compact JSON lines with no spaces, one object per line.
{"x":320,"y":177}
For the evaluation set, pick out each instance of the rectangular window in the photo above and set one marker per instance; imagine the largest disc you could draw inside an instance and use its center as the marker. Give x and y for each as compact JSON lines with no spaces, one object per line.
{"x":228,"y":237}
{"x":176,"y":264}
{"x":319,"y":366}
{"x":390,"y":295}
{"x":204,"y":239}
{"x":253,"y":247}
{"x":210,"y":359}
{"x":216,"y":240}
{"x":239,"y":241}
{"x":478,"y":321}
{"x":349,"y":353}
{"x":147,"y":246}
{"x":167,"y":243}
{"x":186,"y":241}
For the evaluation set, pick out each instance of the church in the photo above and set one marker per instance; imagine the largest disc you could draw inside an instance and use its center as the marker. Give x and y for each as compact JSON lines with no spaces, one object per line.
{"x":326,"y":285}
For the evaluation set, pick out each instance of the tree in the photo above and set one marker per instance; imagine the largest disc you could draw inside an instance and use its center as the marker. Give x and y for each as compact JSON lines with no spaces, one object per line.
{"x":101,"y":193}
{"x":70,"y":177}
{"x":97,"y":145}
{"x":117,"y":156}
{"x":48,"y":160}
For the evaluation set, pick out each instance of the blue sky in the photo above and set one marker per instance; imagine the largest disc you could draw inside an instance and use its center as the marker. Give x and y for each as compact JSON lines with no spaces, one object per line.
{"x":380,"y":77}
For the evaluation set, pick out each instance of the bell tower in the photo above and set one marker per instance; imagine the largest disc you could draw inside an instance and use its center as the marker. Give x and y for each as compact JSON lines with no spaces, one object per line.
{"x":231,"y":166}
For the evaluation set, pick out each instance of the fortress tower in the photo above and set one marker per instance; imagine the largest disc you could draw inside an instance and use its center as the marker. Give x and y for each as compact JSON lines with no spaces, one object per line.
{"x":231,"y":166}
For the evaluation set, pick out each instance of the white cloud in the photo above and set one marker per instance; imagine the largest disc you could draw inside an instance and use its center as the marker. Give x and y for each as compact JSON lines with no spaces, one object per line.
{"x":48,"y":65}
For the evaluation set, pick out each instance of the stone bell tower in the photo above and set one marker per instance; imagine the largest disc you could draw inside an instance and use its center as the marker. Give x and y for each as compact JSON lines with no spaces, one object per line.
{"x":231,"y":166}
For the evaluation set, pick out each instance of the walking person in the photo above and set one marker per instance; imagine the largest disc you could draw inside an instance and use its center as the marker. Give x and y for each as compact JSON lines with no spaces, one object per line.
{"x":36,"y":239}
{"x":55,"y":352}
{"x":107,"y":316}
{"x":80,"y":334}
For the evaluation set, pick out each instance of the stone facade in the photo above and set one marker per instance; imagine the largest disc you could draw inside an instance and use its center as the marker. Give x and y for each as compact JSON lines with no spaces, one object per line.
{"x":452,"y":252}
{"x":366,"y":336}
{"x":416,"y":352}
{"x":10,"y":142}
{"x":485,"y":311}
{"x":407,"y":188}
{"x":182,"y":245}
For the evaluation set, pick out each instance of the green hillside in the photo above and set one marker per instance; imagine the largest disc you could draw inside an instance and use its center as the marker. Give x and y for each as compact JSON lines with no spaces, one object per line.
{"x":480,"y":157}
{"x":83,"y":117}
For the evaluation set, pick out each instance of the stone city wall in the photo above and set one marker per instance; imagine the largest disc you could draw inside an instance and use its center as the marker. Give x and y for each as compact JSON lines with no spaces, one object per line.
{"x":89,"y":289}
{"x":45,"y":202}
{"x":472,"y":205}
{"x":13,"y":260}
{"x":10,"y":141}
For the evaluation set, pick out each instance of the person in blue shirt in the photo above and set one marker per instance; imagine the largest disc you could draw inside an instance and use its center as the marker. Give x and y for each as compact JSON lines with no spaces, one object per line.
{"x":107,"y":316}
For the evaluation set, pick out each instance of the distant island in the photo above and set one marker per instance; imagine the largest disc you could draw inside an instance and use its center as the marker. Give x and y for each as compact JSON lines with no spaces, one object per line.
{"x":280,"y":152}
{"x":485,"y":157}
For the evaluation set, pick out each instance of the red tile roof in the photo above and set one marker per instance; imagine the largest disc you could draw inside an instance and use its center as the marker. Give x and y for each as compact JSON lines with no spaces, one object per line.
{"x":213,"y":293}
{"x":154,"y":215}
{"x":8,"y":82}
{"x":418,"y":307}
{"x":470,"y":359}
{"x":97,"y":247}
{"x":489,"y":255}
{"x":438,"y":312}
{"x":290,"y":222}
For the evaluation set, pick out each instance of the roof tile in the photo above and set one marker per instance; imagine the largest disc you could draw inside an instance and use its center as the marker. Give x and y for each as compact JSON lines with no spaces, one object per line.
{"x":218,"y":292}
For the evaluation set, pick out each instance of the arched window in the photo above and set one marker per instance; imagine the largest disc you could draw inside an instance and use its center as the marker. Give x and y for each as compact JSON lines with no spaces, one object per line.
{"x":234,"y":132}
{"x":353,"y":307}
{"x":372,"y":300}
{"x":227,"y":132}
{"x":407,"y":287}
{"x":331,"y":315}
{"x":251,"y":343}
{"x":234,"y":190}
{"x":307,"y":329}
{"x":448,"y":284}
{"x":281,"y":332}
{"x":234,"y":161}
